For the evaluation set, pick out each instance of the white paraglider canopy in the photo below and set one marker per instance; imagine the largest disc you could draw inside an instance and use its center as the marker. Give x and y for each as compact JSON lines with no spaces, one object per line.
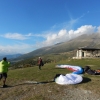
{"x":68,"y":79}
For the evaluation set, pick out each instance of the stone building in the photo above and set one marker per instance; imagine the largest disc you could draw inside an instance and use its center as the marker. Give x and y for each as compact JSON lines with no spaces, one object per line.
{"x":87,"y":53}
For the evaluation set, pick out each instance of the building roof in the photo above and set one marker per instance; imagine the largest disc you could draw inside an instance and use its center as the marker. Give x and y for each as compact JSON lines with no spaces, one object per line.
{"x":86,"y":48}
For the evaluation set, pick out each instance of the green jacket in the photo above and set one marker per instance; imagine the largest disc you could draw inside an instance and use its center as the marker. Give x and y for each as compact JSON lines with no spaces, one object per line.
{"x":4,"y":66}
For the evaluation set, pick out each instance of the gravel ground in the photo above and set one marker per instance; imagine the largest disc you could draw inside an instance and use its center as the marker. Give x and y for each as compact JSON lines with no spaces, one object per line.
{"x":75,"y":94}
{"x":46,"y":92}
{"x":80,"y":94}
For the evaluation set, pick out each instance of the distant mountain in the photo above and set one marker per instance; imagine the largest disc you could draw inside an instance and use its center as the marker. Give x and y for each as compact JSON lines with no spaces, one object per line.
{"x":10,"y":56}
{"x":85,"y":40}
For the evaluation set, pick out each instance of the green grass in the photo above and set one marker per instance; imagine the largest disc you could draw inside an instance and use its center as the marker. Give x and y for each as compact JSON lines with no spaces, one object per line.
{"x":50,"y":90}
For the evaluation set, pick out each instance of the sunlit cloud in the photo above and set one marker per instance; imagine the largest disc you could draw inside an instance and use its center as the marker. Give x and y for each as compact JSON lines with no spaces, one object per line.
{"x":98,"y":29}
{"x":16,"y":36}
{"x":56,"y":37}
{"x":65,"y":35}
{"x":16,"y":48}
{"x":86,"y":29}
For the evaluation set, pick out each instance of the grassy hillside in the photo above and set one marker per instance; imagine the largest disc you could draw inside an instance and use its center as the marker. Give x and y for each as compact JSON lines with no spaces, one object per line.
{"x":20,"y":90}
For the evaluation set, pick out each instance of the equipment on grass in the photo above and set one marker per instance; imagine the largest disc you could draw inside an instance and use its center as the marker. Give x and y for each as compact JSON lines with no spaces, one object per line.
{"x":68,"y":79}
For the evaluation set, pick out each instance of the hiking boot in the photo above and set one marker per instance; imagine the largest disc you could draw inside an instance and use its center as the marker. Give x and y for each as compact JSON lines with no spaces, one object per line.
{"x":4,"y":86}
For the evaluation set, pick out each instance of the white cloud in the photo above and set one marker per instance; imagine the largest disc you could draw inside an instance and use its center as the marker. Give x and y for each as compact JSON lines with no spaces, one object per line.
{"x":98,"y":29}
{"x":13,"y":49}
{"x":64,"y":35}
{"x":16,"y":36}
{"x":86,"y":29}
{"x":54,"y":38}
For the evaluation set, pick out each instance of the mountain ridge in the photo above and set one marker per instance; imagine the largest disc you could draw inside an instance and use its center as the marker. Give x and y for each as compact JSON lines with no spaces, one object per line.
{"x":10,"y":56}
{"x":85,"y":40}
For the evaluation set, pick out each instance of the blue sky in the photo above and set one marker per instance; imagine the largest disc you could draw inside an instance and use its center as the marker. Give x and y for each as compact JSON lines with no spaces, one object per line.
{"x":26,"y":25}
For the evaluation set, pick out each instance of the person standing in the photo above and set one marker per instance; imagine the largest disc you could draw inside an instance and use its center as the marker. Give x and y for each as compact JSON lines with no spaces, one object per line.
{"x":40,"y":62}
{"x":4,"y":64}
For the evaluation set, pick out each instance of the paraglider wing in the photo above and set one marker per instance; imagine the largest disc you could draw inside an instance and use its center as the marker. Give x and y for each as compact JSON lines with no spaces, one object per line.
{"x":75,"y":69}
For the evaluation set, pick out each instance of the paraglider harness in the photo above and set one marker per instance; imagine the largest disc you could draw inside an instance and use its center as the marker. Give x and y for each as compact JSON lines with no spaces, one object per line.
{"x":88,"y":70}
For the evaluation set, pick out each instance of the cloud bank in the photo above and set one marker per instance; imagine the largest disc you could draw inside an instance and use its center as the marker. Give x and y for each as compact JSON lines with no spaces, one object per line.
{"x":48,"y":38}
{"x":65,"y":35}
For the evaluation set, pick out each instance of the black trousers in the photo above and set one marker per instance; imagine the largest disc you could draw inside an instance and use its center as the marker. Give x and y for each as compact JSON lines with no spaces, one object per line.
{"x":40,"y":67}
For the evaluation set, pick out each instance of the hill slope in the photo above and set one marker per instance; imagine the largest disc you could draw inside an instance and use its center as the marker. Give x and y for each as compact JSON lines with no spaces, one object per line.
{"x":91,"y":40}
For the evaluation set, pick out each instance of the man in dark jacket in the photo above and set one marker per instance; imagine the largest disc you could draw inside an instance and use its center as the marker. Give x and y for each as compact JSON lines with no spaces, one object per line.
{"x":40,"y":62}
